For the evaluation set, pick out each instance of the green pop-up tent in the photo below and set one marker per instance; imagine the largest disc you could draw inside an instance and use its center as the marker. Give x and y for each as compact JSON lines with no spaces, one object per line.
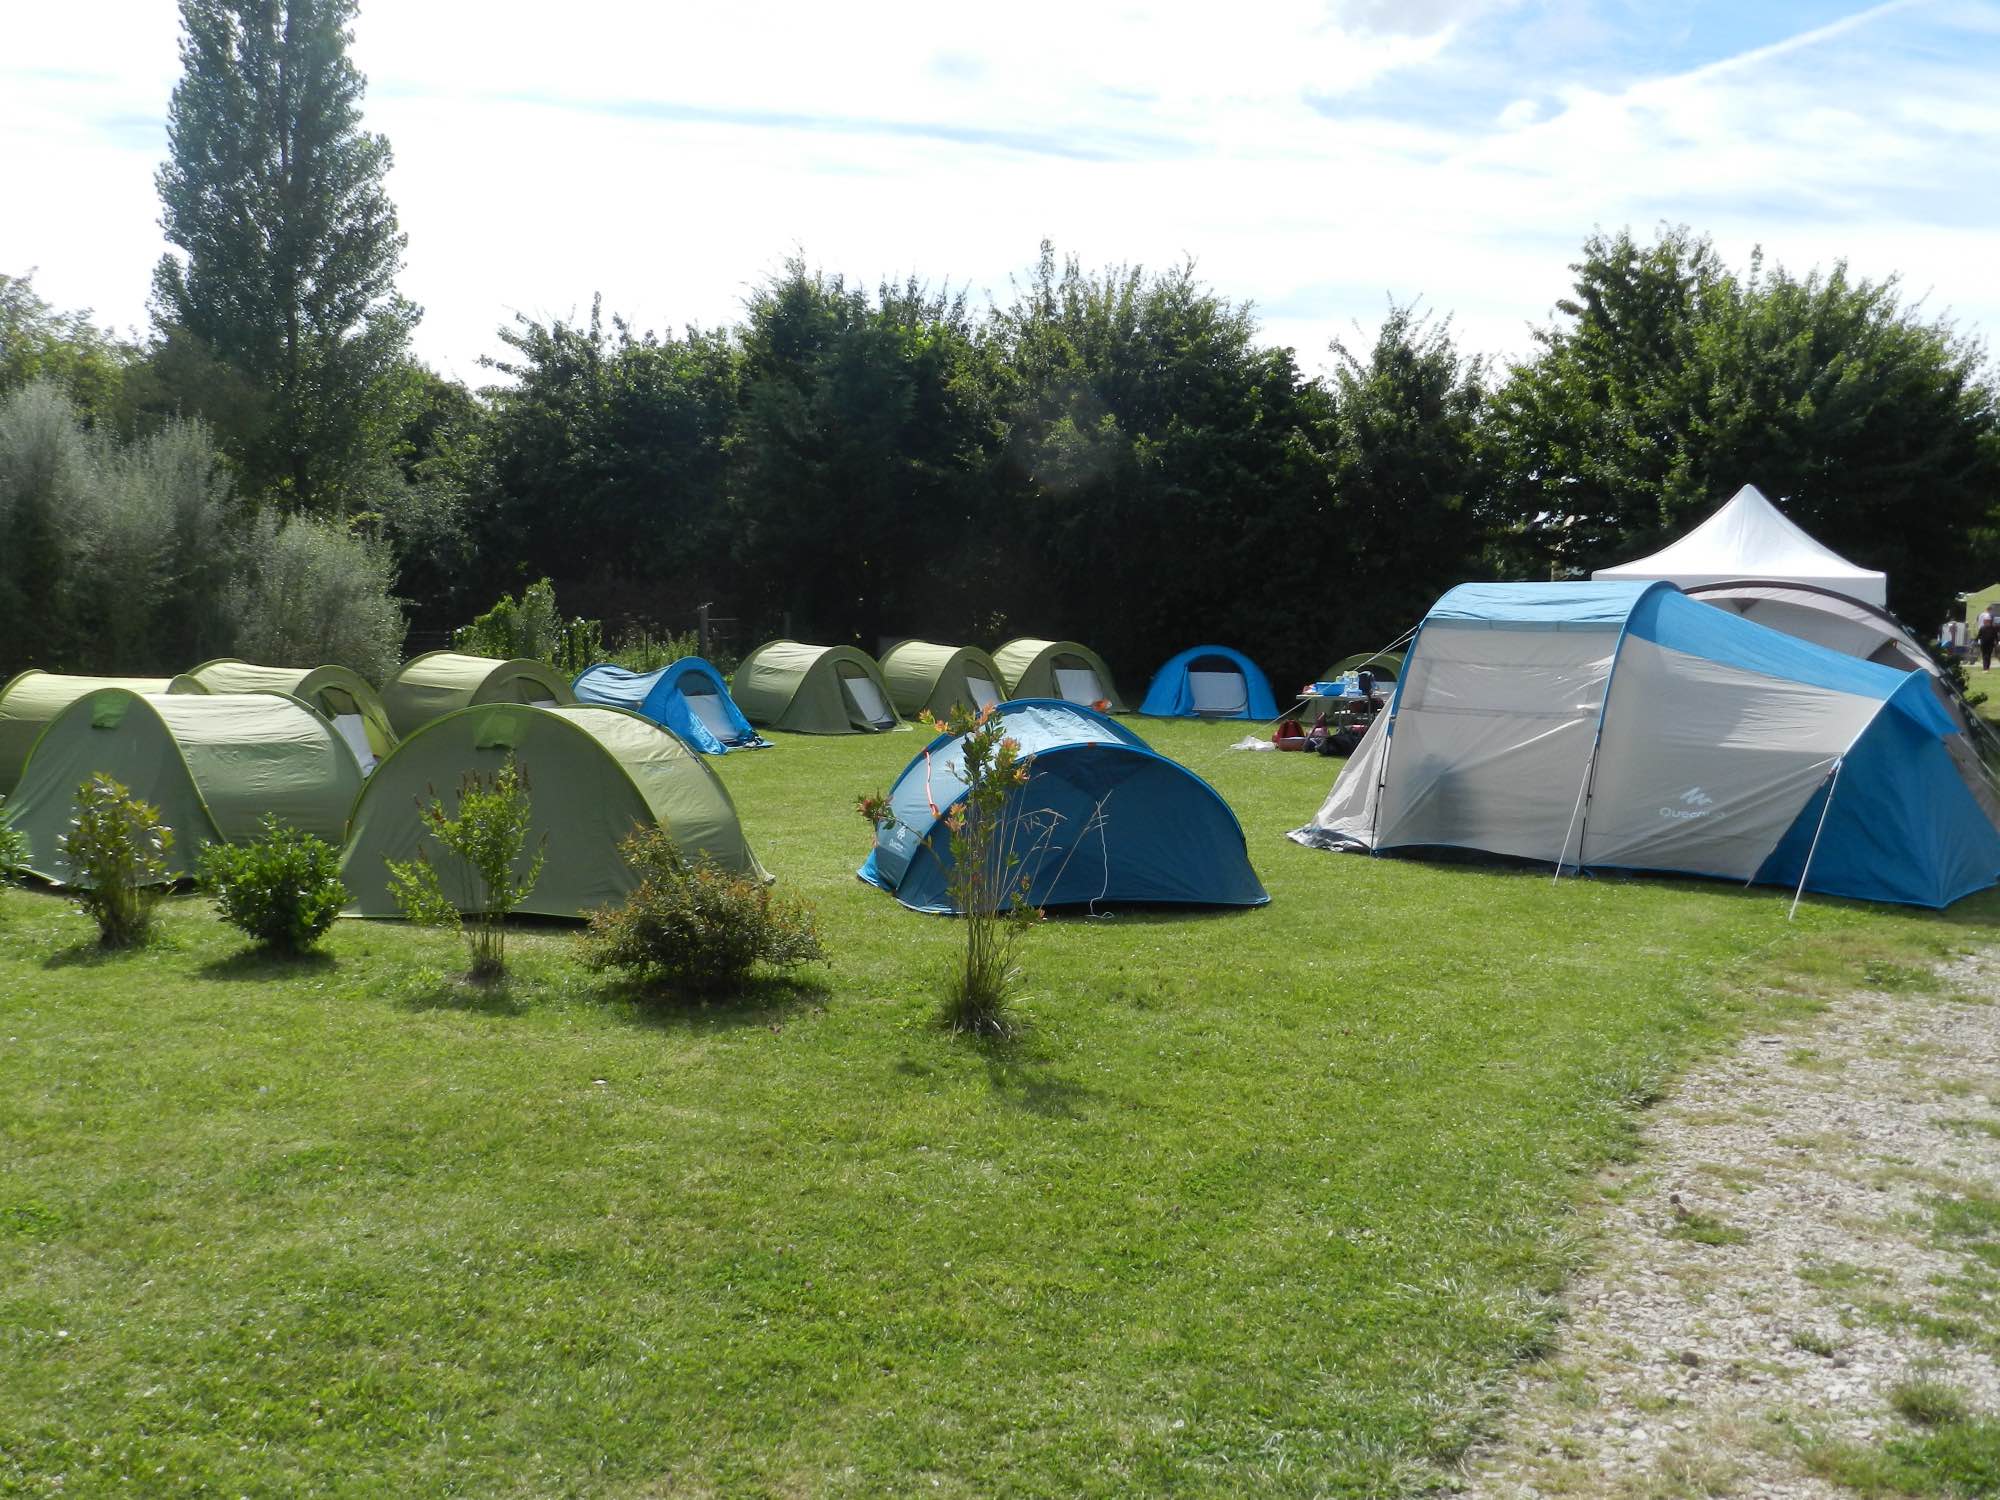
{"x":343,"y":695}
{"x":926,"y":677}
{"x":213,"y":766}
{"x":594,"y":774}
{"x":29,"y":704}
{"x":1068,"y":670}
{"x":813,"y":689}
{"x":438,"y":682}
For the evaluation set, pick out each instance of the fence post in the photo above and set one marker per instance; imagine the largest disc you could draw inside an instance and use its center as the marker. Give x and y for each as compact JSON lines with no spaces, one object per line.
{"x":701,"y":629}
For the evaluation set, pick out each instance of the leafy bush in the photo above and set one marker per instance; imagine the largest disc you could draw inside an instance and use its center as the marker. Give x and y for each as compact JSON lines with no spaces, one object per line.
{"x":283,"y":890}
{"x":695,"y":929}
{"x":313,"y":592}
{"x":994,"y":839}
{"x":532,"y":628}
{"x":45,"y":465}
{"x":642,"y":651}
{"x":118,"y":553}
{"x":486,"y":841}
{"x":13,"y":848}
{"x":115,"y":853}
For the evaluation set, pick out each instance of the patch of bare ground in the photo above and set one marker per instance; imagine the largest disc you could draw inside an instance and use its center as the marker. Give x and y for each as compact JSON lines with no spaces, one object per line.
{"x":1810,"y":1232}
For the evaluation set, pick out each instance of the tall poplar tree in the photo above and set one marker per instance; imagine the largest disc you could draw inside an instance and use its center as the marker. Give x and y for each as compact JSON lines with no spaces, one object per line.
{"x":289,"y":245}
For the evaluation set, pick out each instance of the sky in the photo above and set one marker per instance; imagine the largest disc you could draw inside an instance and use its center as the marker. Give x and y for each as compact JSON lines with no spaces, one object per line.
{"x":1315,"y":158}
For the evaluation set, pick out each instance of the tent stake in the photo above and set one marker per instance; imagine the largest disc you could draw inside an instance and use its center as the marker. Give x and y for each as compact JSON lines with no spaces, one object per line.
{"x":1825,"y":808}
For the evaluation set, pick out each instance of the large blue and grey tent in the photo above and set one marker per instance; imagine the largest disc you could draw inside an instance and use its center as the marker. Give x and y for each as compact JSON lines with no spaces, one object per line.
{"x":1622,"y":725}
{"x":1210,"y":682}
{"x":1105,"y":820}
{"x":689,"y":697}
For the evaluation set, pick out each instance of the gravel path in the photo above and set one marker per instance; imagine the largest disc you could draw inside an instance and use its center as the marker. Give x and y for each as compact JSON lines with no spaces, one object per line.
{"x":1783,"y":1254}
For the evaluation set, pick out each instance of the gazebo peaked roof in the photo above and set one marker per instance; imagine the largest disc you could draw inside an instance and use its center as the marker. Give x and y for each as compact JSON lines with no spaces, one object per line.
{"x":1750,"y":538}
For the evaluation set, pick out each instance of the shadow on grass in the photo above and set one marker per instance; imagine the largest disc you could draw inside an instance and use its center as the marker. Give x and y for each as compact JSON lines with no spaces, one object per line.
{"x":766,"y":1000}
{"x":465,"y":995}
{"x":260,"y":963}
{"x":1151,"y":915}
{"x":1026,"y":1082}
{"x":90,"y":953}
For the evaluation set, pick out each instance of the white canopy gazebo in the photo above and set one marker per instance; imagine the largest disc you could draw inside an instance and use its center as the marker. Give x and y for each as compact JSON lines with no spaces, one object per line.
{"x":1750,"y":538}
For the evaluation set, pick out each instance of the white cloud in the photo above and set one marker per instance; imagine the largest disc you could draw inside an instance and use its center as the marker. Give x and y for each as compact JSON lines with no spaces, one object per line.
{"x":670,"y":156}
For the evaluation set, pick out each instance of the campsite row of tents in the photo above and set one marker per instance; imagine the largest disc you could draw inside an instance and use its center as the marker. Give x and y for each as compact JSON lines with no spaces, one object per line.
{"x":222,"y":746}
{"x":785,"y":685}
{"x":216,"y":765}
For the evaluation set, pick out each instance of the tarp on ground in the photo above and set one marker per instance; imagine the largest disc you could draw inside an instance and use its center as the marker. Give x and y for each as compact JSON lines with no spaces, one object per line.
{"x":808,"y":689}
{"x":1068,"y":670}
{"x":214,"y":766}
{"x":1749,"y":537}
{"x":1106,"y":820}
{"x":340,"y":693}
{"x":1210,"y":682}
{"x":688,"y":696}
{"x":594,"y":775}
{"x":1622,"y":725}
{"x":440,"y":682}
{"x":924,"y":677}
{"x":30,"y":702}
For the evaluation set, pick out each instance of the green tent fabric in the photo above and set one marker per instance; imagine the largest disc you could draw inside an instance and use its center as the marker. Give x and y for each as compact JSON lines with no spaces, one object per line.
{"x":1975,"y":605}
{"x":343,"y":695}
{"x":594,"y":774}
{"x":212,"y":765}
{"x":1384,"y":664}
{"x":439,"y":682}
{"x":1058,"y":669}
{"x":924,"y":677}
{"x":30,"y":702}
{"x":813,"y":689}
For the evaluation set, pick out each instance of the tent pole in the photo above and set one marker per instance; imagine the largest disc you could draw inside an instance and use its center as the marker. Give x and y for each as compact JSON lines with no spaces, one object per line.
{"x":1825,"y":808}
{"x":1582,"y":791}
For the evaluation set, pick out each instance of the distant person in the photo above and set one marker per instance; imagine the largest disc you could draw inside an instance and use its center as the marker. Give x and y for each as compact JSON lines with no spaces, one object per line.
{"x":1989,"y":637}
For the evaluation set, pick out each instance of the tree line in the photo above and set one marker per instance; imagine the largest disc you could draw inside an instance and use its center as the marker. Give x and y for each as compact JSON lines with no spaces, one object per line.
{"x":1112,"y":454}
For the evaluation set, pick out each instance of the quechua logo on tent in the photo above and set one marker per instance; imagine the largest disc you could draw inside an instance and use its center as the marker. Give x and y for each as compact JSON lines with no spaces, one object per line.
{"x":1695,"y":803}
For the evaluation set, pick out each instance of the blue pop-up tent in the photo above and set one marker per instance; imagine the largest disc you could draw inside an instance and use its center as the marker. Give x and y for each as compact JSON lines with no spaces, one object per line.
{"x":1210,"y":682}
{"x":1106,"y":820}
{"x":689,"y":697}
{"x":1622,"y":725}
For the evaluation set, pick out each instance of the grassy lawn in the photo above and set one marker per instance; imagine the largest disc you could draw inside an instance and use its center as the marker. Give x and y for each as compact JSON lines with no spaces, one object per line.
{"x":1978,"y":682}
{"x":1263,"y":1201}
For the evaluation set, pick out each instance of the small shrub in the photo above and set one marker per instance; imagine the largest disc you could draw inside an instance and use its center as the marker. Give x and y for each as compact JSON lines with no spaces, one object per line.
{"x":13,"y":849}
{"x":115,"y":855}
{"x":994,"y":842}
{"x":532,"y":628}
{"x":486,"y":840}
{"x":283,"y":890}
{"x":695,"y":929}
{"x":641,"y":651}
